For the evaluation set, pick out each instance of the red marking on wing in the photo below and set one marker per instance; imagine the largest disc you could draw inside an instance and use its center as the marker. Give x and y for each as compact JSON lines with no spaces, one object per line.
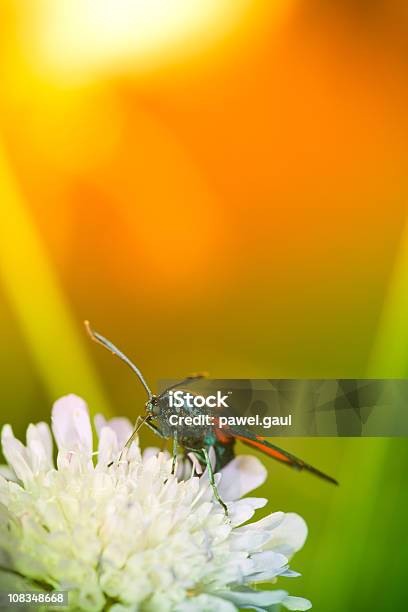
{"x":265,"y":449}
{"x":227,"y":437}
{"x":223,"y":438}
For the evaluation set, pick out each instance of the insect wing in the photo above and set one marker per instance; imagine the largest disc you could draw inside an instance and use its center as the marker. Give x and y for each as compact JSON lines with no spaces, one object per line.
{"x":269,"y":449}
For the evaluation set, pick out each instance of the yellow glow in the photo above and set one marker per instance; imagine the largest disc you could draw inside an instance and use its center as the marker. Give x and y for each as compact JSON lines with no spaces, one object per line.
{"x":56,"y":340}
{"x":390,"y":351}
{"x":83,"y":35}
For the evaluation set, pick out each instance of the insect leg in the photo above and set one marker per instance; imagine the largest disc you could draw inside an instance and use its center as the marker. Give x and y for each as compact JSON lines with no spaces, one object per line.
{"x":139,"y":422}
{"x":212,"y":481}
{"x":173,"y":467}
{"x":156,"y":430}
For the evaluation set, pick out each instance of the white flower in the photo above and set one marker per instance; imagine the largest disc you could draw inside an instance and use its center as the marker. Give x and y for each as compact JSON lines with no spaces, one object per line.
{"x":130,"y":535}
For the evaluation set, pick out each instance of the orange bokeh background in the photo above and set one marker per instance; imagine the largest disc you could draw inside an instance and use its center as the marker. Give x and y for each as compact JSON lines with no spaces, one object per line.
{"x":234,"y":202}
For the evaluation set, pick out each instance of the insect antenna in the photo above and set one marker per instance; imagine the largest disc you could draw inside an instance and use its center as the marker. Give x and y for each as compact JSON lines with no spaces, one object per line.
{"x":113,"y":349}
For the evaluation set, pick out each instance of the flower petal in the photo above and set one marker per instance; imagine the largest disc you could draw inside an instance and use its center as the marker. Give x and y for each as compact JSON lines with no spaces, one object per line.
{"x":196,"y":465}
{"x":8,"y":473}
{"x":288,"y":537}
{"x":42,"y":433}
{"x":296,"y":603}
{"x":39,"y":446}
{"x":71,"y":425}
{"x":107,"y":447}
{"x":249,"y":540}
{"x":120,"y":425}
{"x":244,"y":509}
{"x":288,"y":573}
{"x":268,"y":559}
{"x":152,"y":451}
{"x":205,"y":603}
{"x":269,"y":523}
{"x":246,"y":597}
{"x":16,"y":454}
{"x":241,"y":475}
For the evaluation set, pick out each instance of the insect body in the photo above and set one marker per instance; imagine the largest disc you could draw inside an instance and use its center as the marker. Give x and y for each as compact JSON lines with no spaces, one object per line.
{"x":198,"y":440}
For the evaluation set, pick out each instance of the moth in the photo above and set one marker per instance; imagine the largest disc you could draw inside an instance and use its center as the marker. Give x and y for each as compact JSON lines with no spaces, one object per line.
{"x":198,"y":440}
